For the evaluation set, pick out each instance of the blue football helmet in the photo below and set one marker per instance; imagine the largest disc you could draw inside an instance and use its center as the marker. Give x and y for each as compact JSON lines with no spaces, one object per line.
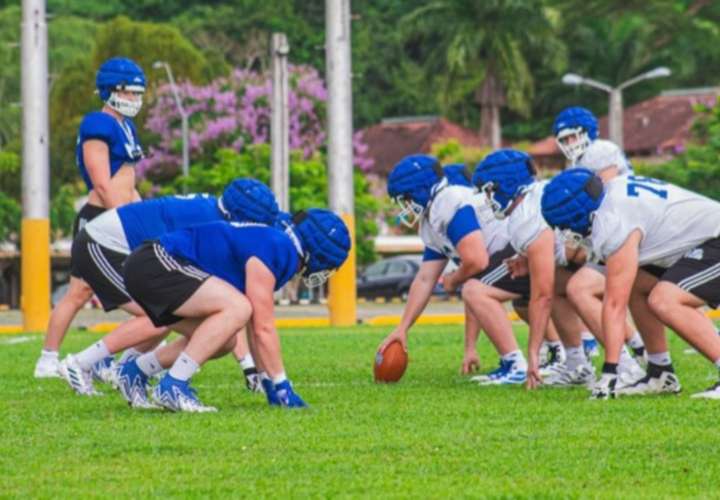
{"x":457,"y":174}
{"x":121,"y":74}
{"x":325,"y":243}
{"x":574,"y":129}
{"x":249,"y":200}
{"x":570,"y":199}
{"x":502,"y":176}
{"x":412,"y":183}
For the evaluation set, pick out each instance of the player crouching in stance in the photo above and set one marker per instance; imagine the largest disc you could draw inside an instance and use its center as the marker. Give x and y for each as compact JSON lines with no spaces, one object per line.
{"x":507,"y":178}
{"x":102,"y":247}
{"x":209,"y":281}
{"x":454,"y":224}
{"x":644,"y":227}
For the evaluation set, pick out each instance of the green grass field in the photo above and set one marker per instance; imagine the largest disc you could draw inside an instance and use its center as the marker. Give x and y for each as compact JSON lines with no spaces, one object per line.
{"x":432,"y":435}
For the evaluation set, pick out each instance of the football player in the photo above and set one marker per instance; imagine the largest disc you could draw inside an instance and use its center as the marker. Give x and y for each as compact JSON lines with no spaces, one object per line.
{"x":507,"y":178}
{"x":196,"y":281}
{"x":586,"y":286}
{"x":654,"y":235}
{"x":574,"y":129}
{"x":107,"y":150}
{"x":454,"y":224}
{"x":100,"y":251}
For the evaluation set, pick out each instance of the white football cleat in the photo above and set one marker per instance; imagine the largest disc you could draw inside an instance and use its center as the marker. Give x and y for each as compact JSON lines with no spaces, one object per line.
{"x":710,"y":393}
{"x":605,"y":387}
{"x":582,"y":375}
{"x":47,"y":367}
{"x":657,"y":381}
{"x":629,"y":373}
{"x":79,"y":380}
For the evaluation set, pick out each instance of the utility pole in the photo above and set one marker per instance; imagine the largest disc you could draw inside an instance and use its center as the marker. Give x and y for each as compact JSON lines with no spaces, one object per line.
{"x":35,"y":229}
{"x":343,"y":292}
{"x":279,"y":128}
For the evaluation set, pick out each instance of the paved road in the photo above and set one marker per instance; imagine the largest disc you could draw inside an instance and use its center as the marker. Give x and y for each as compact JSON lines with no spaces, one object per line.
{"x":365,"y":310}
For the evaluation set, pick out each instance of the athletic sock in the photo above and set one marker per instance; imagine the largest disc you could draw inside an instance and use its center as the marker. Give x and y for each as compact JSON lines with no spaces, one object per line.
{"x":610,"y":368}
{"x":660,"y":358}
{"x":279,"y":378}
{"x":184,"y":367}
{"x":48,"y":354}
{"x":247,"y":362}
{"x":636,"y":341}
{"x":516,"y":357}
{"x":149,"y":364}
{"x":92,"y":355}
{"x":575,"y":357}
{"x":586,"y":336}
{"x":128,"y":354}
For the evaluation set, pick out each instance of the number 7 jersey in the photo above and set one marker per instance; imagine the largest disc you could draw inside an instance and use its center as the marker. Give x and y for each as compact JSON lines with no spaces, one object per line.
{"x":672,"y":220}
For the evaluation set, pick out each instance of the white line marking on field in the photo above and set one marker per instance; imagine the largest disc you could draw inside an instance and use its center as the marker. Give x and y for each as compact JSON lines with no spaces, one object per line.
{"x":17,"y":340}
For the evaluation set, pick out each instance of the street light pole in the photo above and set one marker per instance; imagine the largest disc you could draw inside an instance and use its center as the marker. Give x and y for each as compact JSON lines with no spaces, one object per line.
{"x":183,"y":120}
{"x":615,"y":109}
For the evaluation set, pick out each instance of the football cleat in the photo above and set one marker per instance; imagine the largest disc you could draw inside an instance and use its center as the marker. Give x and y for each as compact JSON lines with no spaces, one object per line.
{"x":79,"y":380}
{"x":582,"y":375}
{"x":47,"y":367}
{"x":105,"y":371}
{"x":287,"y":396}
{"x":605,"y":387}
{"x":629,"y":373}
{"x":508,"y":373}
{"x":555,"y":361}
{"x":590,"y":346}
{"x":133,"y":384}
{"x":177,"y":395}
{"x":710,"y":393}
{"x":658,"y":380}
{"x":269,"y":389}
{"x":252,"y":380}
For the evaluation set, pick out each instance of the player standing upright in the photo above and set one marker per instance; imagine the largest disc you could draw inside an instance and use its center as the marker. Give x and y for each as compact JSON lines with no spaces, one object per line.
{"x":647,"y":228}
{"x":107,"y":150}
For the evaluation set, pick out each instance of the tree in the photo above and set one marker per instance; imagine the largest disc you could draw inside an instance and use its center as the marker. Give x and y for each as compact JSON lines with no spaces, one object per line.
{"x":477,"y":51}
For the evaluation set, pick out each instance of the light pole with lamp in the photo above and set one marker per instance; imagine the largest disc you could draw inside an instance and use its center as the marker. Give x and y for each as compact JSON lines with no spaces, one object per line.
{"x":183,"y":119}
{"x":615,"y":114}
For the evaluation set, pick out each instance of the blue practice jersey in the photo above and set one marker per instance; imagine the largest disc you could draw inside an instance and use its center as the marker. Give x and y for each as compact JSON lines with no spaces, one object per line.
{"x":223,"y":248}
{"x":150,"y":219}
{"x":121,"y":139}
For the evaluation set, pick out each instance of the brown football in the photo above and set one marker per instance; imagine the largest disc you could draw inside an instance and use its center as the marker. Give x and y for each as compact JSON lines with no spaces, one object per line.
{"x":391,"y":364}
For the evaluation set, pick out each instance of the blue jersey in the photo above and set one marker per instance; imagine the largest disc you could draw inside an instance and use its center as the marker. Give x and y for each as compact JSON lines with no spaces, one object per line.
{"x":150,"y":219}
{"x":120,"y":137}
{"x":223,"y":248}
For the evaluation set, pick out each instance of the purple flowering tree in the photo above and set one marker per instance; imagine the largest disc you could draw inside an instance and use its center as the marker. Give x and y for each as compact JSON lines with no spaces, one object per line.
{"x":234,"y":111}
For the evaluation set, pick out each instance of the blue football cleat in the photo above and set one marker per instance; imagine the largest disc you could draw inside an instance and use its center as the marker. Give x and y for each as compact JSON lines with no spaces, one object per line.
{"x":287,"y":396}
{"x":509,"y":372}
{"x":269,"y":389}
{"x":132,"y":384}
{"x":177,"y":395}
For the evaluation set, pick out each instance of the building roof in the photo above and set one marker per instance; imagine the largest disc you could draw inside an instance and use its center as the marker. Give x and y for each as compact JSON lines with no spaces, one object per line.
{"x":393,"y":139}
{"x":656,"y":126}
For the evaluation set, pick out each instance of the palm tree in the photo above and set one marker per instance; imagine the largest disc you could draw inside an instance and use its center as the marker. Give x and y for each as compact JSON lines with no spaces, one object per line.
{"x":480,"y":50}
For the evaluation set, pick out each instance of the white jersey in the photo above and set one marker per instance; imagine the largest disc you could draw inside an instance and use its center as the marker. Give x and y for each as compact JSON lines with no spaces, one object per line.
{"x":525,"y":223}
{"x":446,"y":203}
{"x":107,"y":230}
{"x":672,"y":220}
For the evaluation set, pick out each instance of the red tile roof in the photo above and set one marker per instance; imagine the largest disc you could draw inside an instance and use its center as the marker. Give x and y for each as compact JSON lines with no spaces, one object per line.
{"x":391,"y":140}
{"x":660,"y":125}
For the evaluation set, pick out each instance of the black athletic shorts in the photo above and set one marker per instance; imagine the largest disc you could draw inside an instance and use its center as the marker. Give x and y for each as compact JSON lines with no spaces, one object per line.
{"x":85,"y":215}
{"x":497,"y":274}
{"x":654,"y":270}
{"x":698,"y":272}
{"x":101,"y":268}
{"x":159,"y":282}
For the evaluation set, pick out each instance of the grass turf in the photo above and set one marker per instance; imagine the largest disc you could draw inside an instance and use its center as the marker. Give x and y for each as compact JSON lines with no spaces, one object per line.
{"x":432,"y":435}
